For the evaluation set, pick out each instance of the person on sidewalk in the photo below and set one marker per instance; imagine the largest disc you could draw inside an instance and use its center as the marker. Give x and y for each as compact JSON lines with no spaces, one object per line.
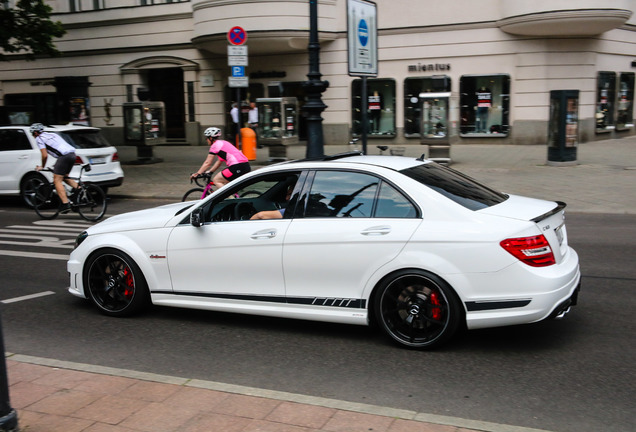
{"x":237,"y":163}
{"x":50,"y":143}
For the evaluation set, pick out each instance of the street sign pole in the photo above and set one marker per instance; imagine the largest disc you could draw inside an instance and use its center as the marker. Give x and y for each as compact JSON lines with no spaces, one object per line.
{"x":362,"y":38}
{"x":237,"y":60}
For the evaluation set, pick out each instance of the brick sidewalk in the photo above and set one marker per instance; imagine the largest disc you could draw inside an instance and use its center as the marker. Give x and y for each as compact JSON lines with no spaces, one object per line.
{"x":60,"y":396}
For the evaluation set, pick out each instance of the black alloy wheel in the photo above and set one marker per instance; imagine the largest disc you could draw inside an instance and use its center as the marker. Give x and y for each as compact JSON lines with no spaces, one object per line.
{"x":29,"y":186}
{"x":417,"y":309}
{"x":115,"y":284}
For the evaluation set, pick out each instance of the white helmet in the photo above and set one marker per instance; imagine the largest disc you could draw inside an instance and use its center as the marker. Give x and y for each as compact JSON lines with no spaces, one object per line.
{"x":36,"y":127}
{"x":212,"y":132}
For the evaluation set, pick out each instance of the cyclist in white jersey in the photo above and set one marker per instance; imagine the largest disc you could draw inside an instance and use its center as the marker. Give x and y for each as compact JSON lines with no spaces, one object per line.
{"x":50,"y":143}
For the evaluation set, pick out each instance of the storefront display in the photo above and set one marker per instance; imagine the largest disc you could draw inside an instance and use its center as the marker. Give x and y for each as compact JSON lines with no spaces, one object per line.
{"x":412,"y":103}
{"x":625,"y":105}
{"x":277,"y":121}
{"x":380,"y":106}
{"x":605,"y":98}
{"x":484,"y":105}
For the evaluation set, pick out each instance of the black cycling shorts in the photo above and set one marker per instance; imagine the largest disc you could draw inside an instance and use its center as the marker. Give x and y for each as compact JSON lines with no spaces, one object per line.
{"x":235,"y":171}
{"x":64,"y":164}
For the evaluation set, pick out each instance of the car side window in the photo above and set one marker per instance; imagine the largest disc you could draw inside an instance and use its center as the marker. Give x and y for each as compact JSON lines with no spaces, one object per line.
{"x":14,"y":139}
{"x":342,"y":194}
{"x":392,"y":204}
{"x":268,"y":192}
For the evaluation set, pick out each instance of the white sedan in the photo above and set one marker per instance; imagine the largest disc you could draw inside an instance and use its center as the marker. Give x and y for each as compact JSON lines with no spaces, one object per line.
{"x":413,"y":246}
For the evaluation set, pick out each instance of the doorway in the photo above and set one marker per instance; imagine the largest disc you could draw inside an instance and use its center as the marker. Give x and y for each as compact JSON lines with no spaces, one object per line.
{"x":166,"y":85}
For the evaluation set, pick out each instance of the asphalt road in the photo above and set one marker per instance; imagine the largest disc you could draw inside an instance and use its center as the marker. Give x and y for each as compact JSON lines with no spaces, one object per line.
{"x":570,"y":375}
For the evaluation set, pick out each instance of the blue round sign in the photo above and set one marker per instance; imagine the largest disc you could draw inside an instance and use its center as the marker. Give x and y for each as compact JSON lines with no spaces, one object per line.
{"x":363,"y":32}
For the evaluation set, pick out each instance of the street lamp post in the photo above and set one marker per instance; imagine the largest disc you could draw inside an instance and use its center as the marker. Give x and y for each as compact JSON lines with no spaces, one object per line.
{"x":314,"y":87}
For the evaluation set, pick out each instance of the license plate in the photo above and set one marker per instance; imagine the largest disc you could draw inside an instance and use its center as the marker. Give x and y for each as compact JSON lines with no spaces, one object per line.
{"x":96,"y":160}
{"x":559,"y":233}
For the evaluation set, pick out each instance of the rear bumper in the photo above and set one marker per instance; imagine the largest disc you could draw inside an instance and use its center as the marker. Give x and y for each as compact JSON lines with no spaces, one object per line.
{"x":109,"y":183}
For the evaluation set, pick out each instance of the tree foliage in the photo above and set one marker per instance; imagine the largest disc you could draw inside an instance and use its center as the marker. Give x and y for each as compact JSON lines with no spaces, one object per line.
{"x":27,"y":28}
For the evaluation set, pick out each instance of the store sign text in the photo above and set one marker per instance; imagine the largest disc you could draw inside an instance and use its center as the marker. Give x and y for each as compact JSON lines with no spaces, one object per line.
{"x":430,"y":67}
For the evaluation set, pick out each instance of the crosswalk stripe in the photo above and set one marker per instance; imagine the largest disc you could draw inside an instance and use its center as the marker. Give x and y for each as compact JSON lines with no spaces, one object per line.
{"x":34,"y":255}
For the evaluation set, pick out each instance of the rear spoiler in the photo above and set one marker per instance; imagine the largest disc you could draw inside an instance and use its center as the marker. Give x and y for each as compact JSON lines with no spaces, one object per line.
{"x":560,"y":206}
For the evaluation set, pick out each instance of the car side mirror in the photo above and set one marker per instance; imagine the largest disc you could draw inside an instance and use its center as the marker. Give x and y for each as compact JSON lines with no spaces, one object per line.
{"x":196,"y":217}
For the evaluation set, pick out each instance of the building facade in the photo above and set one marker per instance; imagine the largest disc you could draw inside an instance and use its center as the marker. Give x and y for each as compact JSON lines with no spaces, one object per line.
{"x":474,"y":72}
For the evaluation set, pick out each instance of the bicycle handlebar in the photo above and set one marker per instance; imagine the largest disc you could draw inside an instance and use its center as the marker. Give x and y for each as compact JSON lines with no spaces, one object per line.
{"x":205,"y":176}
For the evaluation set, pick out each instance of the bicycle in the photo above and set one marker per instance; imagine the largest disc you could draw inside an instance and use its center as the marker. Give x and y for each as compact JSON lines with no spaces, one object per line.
{"x":203,"y":190}
{"x":89,"y":201}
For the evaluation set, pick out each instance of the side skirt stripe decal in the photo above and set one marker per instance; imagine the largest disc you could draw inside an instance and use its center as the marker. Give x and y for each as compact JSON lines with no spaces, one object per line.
{"x":313,"y":301}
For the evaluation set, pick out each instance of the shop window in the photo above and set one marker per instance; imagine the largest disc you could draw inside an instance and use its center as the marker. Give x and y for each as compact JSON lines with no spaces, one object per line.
{"x":413,"y":103}
{"x":625,"y":105}
{"x":484,"y":105}
{"x":380,"y":106}
{"x":605,"y":97}
{"x":247,"y":95}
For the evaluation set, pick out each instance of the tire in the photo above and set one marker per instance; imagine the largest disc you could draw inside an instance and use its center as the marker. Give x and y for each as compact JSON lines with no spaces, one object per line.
{"x":91,"y":203}
{"x":114,"y":283}
{"x":193,"y":194}
{"x":28,"y":186}
{"x":417,"y":309}
{"x":46,"y":203}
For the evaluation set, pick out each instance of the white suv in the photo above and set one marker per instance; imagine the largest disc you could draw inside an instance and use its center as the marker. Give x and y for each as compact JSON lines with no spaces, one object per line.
{"x":19,"y":155}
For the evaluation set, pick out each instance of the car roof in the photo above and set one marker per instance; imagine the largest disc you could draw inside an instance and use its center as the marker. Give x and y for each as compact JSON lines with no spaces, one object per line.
{"x":55,"y":128}
{"x":396,"y":163}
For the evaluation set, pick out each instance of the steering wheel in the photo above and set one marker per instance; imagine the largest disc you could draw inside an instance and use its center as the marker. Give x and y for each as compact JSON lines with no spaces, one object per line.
{"x":244,"y":211}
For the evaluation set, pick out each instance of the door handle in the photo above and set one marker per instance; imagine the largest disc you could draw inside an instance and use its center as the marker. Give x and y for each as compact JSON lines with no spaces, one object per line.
{"x":268,"y":233}
{"x":23,"y":157}
{"x":377,"y":230}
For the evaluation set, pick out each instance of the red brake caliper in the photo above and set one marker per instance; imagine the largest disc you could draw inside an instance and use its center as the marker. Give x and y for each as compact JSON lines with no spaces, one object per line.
{"x":130,"y":283}
{"x":435,"y":311}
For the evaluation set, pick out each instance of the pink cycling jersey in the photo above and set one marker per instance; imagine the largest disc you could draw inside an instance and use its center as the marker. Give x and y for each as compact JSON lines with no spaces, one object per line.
{"x":227,"y":152}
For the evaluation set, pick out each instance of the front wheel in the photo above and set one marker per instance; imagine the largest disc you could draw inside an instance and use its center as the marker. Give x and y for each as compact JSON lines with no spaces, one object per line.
{"x":417,"y":309}
{"x":193,"y":194}
{"x":46,"y":202}
{"x":29,"y":186}
{"x":115,"y":284}
{"x":91,"y":203}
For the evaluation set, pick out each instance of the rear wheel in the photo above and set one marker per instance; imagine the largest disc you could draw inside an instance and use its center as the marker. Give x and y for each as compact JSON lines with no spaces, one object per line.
{"x":46,"y":203}
{"x":417,"y":309}
{"x":115,"y":284}
{"x":91,"y":202}
{"x":193,"y":194}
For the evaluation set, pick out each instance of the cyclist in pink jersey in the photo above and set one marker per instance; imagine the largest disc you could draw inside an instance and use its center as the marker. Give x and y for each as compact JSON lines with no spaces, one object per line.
{"x":237,"y":163}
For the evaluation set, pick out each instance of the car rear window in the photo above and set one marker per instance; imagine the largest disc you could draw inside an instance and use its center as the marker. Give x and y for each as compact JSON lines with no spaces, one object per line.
{"x":84,"y":139}
{"x":455,"y":186}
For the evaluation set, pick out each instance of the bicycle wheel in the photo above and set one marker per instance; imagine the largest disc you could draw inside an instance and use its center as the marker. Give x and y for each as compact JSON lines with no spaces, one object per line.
{"x":193,"y":194}
{"x":91,"y":202}
{"x":46,"y":203}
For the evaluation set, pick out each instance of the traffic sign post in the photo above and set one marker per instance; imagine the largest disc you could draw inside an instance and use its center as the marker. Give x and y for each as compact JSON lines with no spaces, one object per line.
{"x":237,"y":60}
{"x":362,"y":38}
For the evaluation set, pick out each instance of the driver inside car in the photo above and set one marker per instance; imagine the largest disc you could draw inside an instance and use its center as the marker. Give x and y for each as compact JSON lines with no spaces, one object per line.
{"x":278,"y":213}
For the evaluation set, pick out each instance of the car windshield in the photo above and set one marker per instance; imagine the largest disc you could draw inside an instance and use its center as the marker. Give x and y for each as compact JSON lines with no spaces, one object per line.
{"x":84,"y":139}
{"x":455,"y":186}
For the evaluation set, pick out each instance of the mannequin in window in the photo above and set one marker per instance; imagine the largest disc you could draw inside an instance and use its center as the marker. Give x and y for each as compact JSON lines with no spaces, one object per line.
{"x":484,"y":102}
{"x":375,"y":111}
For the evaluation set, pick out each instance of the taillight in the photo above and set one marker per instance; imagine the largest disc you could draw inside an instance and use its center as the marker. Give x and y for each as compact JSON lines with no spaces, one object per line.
{"x":534,"y":251}
{"x":78,"y":160}
{"x":115,"y":157}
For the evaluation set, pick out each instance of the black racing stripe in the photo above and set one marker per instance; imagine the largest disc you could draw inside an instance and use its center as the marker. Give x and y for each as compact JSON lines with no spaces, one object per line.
{"x":493,"y":305}
{"x":313,"y":301}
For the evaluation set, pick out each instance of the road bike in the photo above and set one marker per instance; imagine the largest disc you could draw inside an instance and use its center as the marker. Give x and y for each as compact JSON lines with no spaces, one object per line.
{"x":203,"y":190}
{"x":89,"y":201}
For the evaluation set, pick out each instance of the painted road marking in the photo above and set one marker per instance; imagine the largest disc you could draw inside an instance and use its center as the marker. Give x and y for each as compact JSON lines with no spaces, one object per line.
{"x":27,"y":297}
